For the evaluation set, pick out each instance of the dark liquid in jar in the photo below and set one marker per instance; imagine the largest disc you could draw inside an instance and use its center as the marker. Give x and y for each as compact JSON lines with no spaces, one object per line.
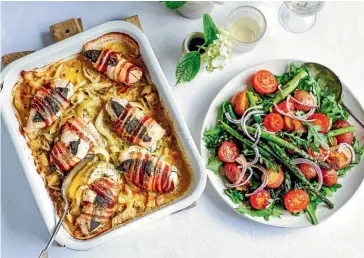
{"x":195,"y":43}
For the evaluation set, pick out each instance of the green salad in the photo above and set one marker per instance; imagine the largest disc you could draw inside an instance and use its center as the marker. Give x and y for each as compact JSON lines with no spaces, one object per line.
{"x":282,"y":144}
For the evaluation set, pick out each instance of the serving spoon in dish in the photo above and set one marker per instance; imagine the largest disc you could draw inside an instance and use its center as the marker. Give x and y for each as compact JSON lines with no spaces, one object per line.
{"x":331,"y":84}
{"x":64,"y":192}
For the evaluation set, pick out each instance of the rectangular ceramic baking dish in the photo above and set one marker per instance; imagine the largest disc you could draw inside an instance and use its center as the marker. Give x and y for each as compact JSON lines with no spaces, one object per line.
{"x":64,"y":49}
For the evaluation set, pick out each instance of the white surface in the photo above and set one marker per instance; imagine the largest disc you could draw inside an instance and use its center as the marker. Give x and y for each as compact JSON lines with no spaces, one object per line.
{"x":211,"y":229}
{"x":63,"y":50}
{"x":350,"y":184}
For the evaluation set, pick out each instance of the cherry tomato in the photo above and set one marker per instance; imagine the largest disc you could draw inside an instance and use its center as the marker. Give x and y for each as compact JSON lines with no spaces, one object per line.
{"x":346,"y":137}
{"x":283,"y":106}
{"x":264,"y":82}
{"x":275,"y":178}
{"x":322,"y":155}
{"x":339,"y":160}
{"x":321,"y":120}
{"x":240,"y":102}
{"x":232,"y":172}
{"x":307,"y":170}
{"x":296,"y":200}
{"x":330,"y":177}
{"x":273,"y":122}
{"x":228,"y":152}
{"x":304,"y":97}
{"x":259,"y":200}
{"x":288,"y":126}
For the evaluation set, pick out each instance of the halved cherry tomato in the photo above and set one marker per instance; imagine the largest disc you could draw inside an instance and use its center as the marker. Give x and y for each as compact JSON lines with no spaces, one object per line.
{"x":228,"y":152}
{"x":346,"y":137}
{"x":283,"y":106}
{"x":264,"y":82}
{"x":339,"y":160}
{"x":296,"y":200}
{"x":240,"y":102}
{"x":232,"y":172}
{"x":273,"y":122}
{"x":330,"y":177}
{"x":275,"y":178}
{"x":321,"y":120}
{"x":304,"y":97}
{"x":259,"y":200}
{"x":307,"y":170}
{"x":288,"y":125}
{"x":299,"y":127}
{"x":322,"y":155}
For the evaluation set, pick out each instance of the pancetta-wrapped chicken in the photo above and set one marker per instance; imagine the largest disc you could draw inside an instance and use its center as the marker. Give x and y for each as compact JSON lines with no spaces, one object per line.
{"x":114,"y":66}
{"x":48,"y":104}
{"x":98,"y":202}
{"x":147,"y":171}
{"x":133,"y":124}
{"x":78,"y":138}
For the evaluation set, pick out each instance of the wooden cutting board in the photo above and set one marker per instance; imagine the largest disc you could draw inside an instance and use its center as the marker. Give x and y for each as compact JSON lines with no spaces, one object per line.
{"x":62,"y":31}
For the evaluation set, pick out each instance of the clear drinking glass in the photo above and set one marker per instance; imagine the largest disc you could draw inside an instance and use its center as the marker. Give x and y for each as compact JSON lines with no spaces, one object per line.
{"x":246,"y":25}
{"x":299,"y":16}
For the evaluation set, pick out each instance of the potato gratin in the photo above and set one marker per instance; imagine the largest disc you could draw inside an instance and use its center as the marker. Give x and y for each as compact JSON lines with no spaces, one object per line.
{"x":101,"y":102}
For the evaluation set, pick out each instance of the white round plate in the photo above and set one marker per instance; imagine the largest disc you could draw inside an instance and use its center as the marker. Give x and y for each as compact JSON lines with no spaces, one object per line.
{"x":349,"y":184}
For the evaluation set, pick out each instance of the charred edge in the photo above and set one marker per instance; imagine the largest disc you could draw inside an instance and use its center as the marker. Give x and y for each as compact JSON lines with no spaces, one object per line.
{"x":55,"y":108}
{"x":53,"y":167}
{"x":149,"y":167}
{"x":125,"y":165}
{"x":92,"y":55}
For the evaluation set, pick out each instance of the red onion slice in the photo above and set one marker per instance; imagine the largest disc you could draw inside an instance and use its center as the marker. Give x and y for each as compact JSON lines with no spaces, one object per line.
{"x":245,"y":119}
{"x":291,"y":115}
{"x":265,"y":182}
{"x":257,"y":135}
{"x":344,"y":144}
{"x":315,"y":167}
{"x":230,"y":119}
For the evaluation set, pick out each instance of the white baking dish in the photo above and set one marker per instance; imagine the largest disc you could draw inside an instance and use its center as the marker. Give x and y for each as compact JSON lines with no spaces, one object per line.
{"x":66,"y":48}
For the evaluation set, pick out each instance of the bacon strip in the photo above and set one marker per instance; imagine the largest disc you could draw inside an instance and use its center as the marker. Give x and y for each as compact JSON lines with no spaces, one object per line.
{"x":148,"y":172}
{"x":114,"y":66}
{"x":98,"y":205}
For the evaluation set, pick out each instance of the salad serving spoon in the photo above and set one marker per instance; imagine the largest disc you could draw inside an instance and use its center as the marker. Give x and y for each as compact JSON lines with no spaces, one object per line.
{"x":331,"y":84}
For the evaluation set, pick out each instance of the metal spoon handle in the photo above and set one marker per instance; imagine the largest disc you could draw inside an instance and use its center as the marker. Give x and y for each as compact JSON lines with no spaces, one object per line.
{"x":352,"y":114}
{"x":44,"y":253}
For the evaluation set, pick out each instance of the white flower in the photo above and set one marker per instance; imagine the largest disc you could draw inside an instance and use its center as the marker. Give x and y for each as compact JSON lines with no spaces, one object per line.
{"x":218,"y":53}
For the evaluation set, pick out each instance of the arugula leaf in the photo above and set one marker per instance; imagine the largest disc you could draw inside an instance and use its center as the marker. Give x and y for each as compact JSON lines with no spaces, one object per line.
{"x":273,"y":210}
{"x":188,"y":67}
{"x":210,"y":29}
{"x":214,"y":164}
{"x":235,"y":195}
{"x":173,"y":5}
{"x":318,"y":139}
{"x":329,"y":191}
{"x":333,"y":109}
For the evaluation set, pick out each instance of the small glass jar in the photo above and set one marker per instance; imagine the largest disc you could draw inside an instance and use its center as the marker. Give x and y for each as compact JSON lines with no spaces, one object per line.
{"x":246,"y":25}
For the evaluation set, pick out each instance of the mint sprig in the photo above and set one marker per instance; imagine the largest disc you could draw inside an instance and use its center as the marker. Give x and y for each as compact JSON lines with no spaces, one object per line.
{"x":188,"y":67}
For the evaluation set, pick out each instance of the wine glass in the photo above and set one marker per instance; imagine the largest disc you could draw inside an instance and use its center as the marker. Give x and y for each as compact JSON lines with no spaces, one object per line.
{"x":299,"y":16}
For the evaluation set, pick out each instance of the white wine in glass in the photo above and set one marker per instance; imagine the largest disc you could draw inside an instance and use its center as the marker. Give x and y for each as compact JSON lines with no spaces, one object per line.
{"x":299,"y":16}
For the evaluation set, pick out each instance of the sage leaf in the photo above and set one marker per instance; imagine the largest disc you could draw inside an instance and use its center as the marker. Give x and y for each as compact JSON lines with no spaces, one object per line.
{"x":173,"y":5}
{"x":210,"y":29}
{"x":188,"y":67}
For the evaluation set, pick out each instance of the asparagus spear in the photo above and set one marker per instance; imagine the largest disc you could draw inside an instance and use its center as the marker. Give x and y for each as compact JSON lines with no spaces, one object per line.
{"x":252,"y":103}
{"x":287,"y":145}
{"x":282,"y":157}
{"x":289,"y":87}
{"x":339,"y":131}
{"x":295,"y":170}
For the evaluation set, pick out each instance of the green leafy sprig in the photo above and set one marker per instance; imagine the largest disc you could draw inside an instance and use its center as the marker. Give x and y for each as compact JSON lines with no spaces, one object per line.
{"x":173,"y":5}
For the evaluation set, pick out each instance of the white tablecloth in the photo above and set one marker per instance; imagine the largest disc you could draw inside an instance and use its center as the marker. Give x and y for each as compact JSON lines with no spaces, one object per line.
{"x":211,"y":229}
